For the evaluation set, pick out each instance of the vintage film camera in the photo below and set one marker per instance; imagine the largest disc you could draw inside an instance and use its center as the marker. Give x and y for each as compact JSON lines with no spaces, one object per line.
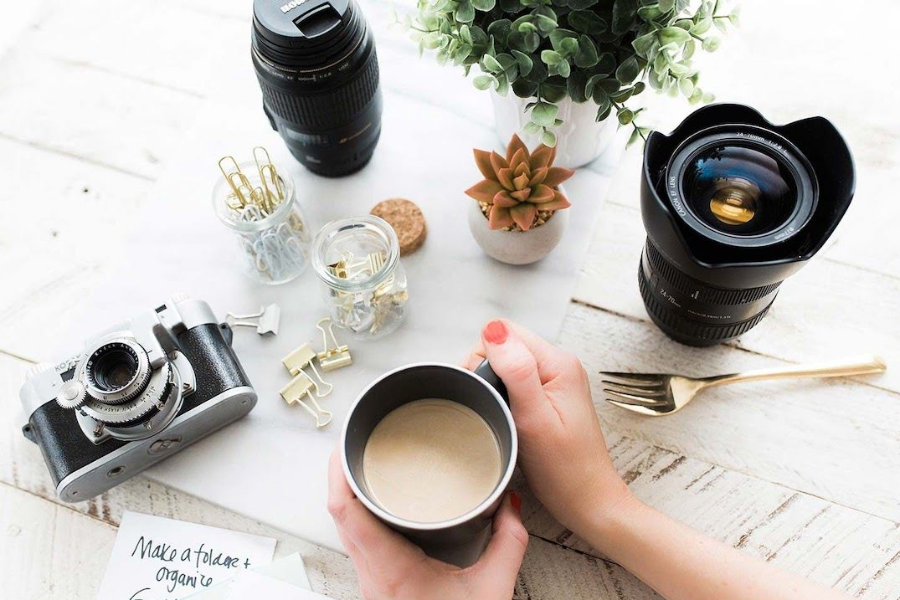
{"x":137,"y":394}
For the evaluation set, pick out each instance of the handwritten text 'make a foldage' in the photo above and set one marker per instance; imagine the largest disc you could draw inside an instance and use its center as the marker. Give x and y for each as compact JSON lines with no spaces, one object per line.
{"x":195,"y":558}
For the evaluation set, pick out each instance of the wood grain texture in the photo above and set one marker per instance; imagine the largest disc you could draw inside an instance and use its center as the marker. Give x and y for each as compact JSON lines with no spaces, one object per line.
{"x":799,"y":474}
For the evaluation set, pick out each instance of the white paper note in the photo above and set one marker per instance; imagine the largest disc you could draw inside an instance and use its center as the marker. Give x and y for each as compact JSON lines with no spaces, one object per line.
{"x":162,"y":559}
{"x":256,"y":586}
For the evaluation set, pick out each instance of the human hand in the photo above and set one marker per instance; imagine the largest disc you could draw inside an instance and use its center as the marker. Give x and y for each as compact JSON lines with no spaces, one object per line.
{"x":561,"y":448}
{"x":390,"y":567}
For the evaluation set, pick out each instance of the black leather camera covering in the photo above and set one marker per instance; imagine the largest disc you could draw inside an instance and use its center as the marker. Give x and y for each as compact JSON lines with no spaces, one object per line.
{"x":62,"y":442}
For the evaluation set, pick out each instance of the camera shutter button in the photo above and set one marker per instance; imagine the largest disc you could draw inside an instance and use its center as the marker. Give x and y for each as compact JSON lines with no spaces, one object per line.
{"x":71,"y":395}
{"x":160,"y":446}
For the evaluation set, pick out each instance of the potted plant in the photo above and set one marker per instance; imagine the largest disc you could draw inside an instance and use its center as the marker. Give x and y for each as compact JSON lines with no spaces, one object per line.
{"x":519,"y":214}
{"x":571,"y":64}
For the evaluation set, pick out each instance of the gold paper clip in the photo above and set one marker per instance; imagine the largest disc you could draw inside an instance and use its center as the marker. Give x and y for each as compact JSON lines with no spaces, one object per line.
{"x":265,"y":321}
{"x":242,"y":191}
{"x":272,"y":186}
{"x":334,"y":357}
{"x":299,"y":387}
{"x":298,"y":360}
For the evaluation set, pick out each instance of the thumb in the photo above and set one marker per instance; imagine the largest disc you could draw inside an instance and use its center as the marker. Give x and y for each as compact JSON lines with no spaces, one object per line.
{"x":516,"y":365}
{"x":503,"y":557}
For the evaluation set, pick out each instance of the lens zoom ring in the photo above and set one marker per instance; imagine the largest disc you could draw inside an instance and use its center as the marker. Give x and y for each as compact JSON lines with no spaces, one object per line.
{"x":707,"y":294}
{"x":329,"y":109}
{"x":692,"y":329}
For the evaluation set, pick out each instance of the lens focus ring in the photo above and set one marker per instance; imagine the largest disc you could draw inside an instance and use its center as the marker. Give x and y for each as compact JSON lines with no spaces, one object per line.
{"x":688,"y":331}
{"x":329,"y":109}
{"x":702,"y":292}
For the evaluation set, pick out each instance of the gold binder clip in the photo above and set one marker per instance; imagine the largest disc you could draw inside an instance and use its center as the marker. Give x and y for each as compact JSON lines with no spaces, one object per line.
{"x":301,"y":358}
{"x":299,"y":387}
{"x":332,"y":357}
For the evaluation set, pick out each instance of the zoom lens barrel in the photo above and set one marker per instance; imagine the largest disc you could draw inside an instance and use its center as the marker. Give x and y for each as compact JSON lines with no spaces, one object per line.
{"x":318,"y":71}
{"x":733,"y":205}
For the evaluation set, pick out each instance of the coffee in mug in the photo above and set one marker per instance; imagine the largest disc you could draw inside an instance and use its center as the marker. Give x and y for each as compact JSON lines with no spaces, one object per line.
{"x":430,"y":449}
{"x":431,"y":460}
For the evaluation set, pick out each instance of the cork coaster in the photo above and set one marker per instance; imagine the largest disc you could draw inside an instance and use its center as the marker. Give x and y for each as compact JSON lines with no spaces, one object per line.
{"x":407,"y":220}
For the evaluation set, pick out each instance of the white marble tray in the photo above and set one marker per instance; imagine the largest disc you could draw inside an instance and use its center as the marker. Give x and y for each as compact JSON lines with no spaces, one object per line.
{"x":271,"y":466}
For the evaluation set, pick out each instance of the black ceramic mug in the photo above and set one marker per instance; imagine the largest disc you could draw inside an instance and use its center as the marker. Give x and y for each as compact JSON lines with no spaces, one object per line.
{"x":460,"y":540}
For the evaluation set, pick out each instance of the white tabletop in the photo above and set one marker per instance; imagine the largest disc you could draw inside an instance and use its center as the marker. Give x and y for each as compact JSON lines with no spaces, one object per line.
{"x":94,"y":102}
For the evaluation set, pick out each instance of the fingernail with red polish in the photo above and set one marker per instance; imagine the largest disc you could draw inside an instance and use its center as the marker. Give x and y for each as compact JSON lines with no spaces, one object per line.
{"x":495,"y":332}
{"x":516,"y":502}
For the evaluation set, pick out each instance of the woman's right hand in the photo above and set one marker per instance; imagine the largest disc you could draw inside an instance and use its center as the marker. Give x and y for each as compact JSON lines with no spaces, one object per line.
{"x":561,"y":448}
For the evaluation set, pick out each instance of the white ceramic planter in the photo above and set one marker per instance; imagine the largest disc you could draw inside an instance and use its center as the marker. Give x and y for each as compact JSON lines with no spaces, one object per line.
{"x":517,"y":247}
{"x":580,"y":139}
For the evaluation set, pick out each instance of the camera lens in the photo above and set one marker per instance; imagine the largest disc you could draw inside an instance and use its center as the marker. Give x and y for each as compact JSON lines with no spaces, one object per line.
{"x":116,"y":371}
{"x":733,"y":205}
{"x":317,"y":67}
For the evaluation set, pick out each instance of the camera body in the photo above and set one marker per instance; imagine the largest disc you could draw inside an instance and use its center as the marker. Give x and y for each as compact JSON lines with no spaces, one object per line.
{"x":138,"y":393}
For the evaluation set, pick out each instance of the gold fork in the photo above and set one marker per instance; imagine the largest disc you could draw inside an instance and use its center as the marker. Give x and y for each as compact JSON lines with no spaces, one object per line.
{"x":657,"y":394}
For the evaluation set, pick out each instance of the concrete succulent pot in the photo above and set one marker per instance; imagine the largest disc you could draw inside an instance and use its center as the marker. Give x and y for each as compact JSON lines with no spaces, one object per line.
{"x":519,"y":213}
{"x":517,"y":247}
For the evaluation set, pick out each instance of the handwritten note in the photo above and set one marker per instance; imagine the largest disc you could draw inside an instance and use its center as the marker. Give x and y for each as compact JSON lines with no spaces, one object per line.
{"x":162,"y":559}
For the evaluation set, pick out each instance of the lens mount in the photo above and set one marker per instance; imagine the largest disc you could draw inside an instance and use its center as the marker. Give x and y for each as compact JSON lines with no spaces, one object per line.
{"x":157,"y":396}
{"x":741,"y":186}
{"x":115,"y":371}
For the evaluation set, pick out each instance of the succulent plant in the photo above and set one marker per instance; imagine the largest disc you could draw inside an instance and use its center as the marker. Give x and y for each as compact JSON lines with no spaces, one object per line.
{"x":520,"y":189}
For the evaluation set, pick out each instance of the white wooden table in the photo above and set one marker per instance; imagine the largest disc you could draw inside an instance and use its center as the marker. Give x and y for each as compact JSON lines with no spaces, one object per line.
{"x":94,"y":95}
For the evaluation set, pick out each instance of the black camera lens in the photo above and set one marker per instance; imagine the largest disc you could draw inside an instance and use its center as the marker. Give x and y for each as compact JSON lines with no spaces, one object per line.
{"x":112,"y":367}
{"x":317,"y":67}
{"x":733,"y":205}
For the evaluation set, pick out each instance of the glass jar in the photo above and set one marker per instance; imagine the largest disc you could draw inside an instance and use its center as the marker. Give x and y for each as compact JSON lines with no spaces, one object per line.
{"x":358,"y":260}
{"x":273,"y":245}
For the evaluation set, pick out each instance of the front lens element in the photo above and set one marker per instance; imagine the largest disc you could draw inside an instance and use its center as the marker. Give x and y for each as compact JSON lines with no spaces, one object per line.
{"x":114,"y":368}
{"x":739,"y":190}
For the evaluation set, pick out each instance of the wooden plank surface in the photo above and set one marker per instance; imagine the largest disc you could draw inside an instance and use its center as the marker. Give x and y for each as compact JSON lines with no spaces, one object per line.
{"x":803,"y":475}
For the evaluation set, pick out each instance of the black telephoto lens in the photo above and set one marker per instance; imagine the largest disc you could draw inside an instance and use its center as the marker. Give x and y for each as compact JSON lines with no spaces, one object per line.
{"x":733,"y":205}
{"x":317,"y":68}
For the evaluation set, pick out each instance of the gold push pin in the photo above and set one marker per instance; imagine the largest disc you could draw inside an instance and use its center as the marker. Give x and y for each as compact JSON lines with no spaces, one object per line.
{"x":299,"y":387}
{"x":332,"y":357}
{"x":301,"y":358}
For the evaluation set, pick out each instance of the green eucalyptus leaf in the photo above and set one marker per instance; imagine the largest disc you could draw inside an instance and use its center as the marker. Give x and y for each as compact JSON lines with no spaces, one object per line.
{"x":673,"y":35}
{"x":686,"y":86}
{"x":524,"y":61}
{"x":553,"y":92}
{"x":606,"y":65}
{"x":524,"y":89}
{"x":650,"y":13}
{"x":544,"y":113}
{"x":500,"y":29}
{"x":581,"y":4}
{"x":625,"y":116}
{"x":548,"y":138}
{"x":539,"y":72}
{"x":483,"y":82}
{"x":568,"y":46}
{"x":576,"y":84}
{"x":545,"y":24}
{"x":666,"y":5}
{"x":633,"y":138}
{"x":511,"y":7}
{"x":586,"y":54}
{"x":483,"y":5}
{"x":623,"y":15}
{"x":585,"y":21}
{"x":524,"y":42}
{"x":559,"y":34}
{"x":711,"y":44}
{"x":689,"y":48}
{"x":551,"y":57}
{"x":564,"y":69}
{"x":465,"y":12}
{"x":644,"y":44}
{"x":531,"y":128}
{"x":701,"y":26}
{"x":490,"y":64}
{"x":628,"y":70}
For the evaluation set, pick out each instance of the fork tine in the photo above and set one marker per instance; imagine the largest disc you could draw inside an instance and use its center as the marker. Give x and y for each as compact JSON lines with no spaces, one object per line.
{"x":633,"y":408}
{"x":646,"y":392}
{"x":634,"y":400}
{"x":633,"y":380}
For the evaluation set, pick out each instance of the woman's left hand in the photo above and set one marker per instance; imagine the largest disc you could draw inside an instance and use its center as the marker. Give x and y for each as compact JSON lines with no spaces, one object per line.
{"x":390,"y":567}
